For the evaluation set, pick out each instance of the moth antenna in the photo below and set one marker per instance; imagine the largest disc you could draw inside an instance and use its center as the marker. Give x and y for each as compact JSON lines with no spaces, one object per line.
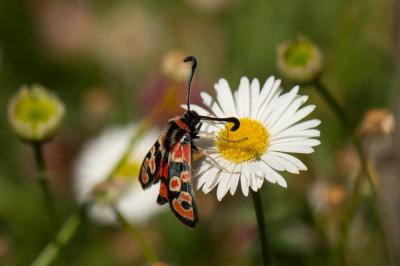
{"x":233,"y":120}
{"x":194,"y":66}
{"x":232,"y":140}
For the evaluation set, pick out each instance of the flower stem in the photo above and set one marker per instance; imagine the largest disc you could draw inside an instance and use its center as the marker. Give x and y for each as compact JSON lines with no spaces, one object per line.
{"x":63,"y":237}
{"x":261,"y":226}
{"x":148,"y":252}
{"x":43,"y":181}
{"x":356,"y":193}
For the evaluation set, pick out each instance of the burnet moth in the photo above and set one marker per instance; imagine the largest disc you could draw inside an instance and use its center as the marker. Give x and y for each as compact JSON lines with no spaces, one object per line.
{"x":169,"y":160}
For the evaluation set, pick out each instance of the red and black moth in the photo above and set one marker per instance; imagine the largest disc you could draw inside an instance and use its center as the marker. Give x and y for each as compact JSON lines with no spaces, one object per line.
{"x":169,"y":160}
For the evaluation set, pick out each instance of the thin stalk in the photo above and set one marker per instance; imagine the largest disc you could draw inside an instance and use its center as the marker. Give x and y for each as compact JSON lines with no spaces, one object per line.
{"x":261,"y":227}
{"x":356,"y":193}
{"x":148,"y":252}
{"x":43,"y":181}
{"x":63,"y":237}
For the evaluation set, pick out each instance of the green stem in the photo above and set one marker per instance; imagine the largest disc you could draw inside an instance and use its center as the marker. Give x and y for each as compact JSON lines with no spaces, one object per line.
{"x":43,"y":181}
{"x":63,"y":237}
{"x":261,"y":227}
{"x":148,"y":252}
{"x":356,"y":193}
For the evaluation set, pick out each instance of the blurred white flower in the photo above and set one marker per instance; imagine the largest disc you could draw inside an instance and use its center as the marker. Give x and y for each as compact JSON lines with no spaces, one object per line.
{"x":268,"y":131}
{"x":104,"y":180}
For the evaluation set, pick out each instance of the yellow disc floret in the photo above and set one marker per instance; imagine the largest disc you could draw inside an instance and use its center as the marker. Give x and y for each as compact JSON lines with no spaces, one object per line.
{"x":249,"y":142}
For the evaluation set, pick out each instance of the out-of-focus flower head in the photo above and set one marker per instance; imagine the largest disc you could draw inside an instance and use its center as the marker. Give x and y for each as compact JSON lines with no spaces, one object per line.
{"x":299,"y":60}
{"x":35,"y":114}
{"x":378,"y":122}
{"x":165,"y":91}
{"x":97,"y":104}
{"x":106,"y":175}
{"x":269,"y":130}
{"x":324,"y":197}
{"x":173,"y":68}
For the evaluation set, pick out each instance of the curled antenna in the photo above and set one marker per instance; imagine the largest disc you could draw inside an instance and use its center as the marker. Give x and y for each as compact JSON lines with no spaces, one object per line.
{"x":194,"y":66}
{"x":233,"y":120}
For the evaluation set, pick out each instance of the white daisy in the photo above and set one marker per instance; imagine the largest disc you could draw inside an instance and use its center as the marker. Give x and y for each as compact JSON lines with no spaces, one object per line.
{"x":259,"y":149}
{"x":94,"y":166}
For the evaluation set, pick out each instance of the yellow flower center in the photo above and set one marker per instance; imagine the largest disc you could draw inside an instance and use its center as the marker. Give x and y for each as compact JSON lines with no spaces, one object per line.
{"x":248,"y":142}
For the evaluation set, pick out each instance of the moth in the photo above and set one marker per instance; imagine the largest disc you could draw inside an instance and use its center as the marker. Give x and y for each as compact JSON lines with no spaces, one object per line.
{"x":169,"y":160}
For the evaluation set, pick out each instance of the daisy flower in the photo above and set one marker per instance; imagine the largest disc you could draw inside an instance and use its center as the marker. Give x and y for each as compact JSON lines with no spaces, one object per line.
{"x":270,"y":129}
{"x":106,"y":176}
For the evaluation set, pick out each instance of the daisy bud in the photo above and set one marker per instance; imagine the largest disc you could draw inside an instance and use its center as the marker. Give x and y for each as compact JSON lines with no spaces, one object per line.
{"x":35,"y":114}
{"x":173,"y":67}
{"x":377,"y":122}
{"x":299,"y":60}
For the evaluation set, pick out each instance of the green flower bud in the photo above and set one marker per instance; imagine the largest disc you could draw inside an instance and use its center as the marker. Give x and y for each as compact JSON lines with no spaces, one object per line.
{"x":35,"y":114}
{"x":299,"y":60}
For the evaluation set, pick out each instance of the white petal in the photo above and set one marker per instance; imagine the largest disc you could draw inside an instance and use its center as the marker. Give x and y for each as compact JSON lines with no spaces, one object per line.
{"x":200,"y":110}
{"x":212,"y":182}
{"x":309,"y":133}
{"x":256,"y":168}
{"x":234,"y":182}
{"x":266,"y":90}
{"x":258,"y":172}
{"x":223,"y":185}
{"x":260,"y":181}
{"x":294,"y":149}
{"x":287,"y":164}
{"x":299,"y":164}
{"x":204,"y":177}
{"x":272,"y":162}
{"x":278,"y":112}
{"x":225,"y":98}
{"x":293,"y":140}
{"x":279,"y":179}
{"x":242,"y":97}
{"x":271,"y":95}
{"x":254,"y":95}
{"x":244,"y":182}
{"x":267,"y":175}
{"x":300,"y":126}
{"x":252,"y":177}
{"x":300,"y":114}
{"x":301,"y":142}
{"x":213,"y":105}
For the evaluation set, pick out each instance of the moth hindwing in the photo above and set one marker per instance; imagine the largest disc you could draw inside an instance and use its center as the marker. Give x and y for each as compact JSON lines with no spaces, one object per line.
{"x":169,"y":161}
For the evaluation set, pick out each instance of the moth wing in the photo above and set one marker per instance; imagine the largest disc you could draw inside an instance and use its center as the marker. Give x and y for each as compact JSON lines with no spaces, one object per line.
{"x":151,"y":165}
{"x":179,"y":186}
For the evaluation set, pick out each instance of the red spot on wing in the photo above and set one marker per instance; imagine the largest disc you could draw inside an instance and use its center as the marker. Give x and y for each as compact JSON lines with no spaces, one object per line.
{"x":186,"y":197}
{"x":187,"y":151}
{"x":144,"y":176}
{"x":188,"y":214}
{"x":163,"y":190}
{"x":175,"y":184}
{"x":185,"y":176}
{"x":152,"y":166}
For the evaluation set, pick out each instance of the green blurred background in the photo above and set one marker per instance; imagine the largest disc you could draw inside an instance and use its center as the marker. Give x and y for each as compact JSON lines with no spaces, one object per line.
{"x":103,"y":60}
